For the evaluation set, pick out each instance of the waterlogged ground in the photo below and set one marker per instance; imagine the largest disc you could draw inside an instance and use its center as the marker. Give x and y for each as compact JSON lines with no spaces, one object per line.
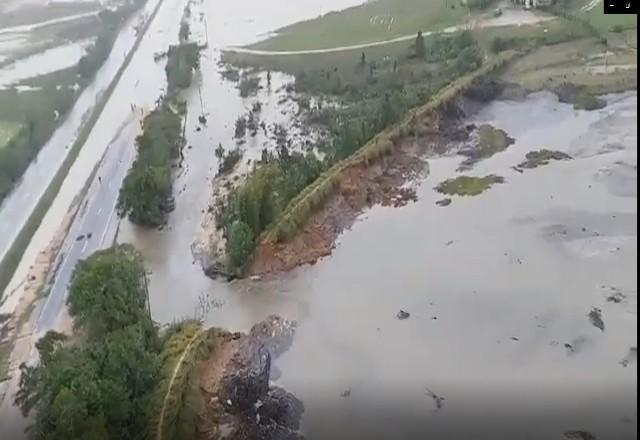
{"x":498,"y":287}
{"x":50,"y":60}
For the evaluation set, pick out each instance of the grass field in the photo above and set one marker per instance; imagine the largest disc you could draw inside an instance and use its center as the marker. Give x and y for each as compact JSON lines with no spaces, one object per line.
{"x":345,"y":61}
{"x":373,"y":21}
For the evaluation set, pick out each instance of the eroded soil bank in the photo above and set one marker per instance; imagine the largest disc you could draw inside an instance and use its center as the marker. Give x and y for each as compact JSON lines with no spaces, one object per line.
{"x":390,"y":181}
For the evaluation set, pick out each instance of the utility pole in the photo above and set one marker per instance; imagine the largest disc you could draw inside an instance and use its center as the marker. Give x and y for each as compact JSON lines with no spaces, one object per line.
{"x":206,"y":32}
{"x":200,"y":95}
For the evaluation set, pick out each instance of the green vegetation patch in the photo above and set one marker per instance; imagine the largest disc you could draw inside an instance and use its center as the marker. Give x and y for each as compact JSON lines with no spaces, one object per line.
{"x":98,"y":385}
{"x":579,"y":96}
{"x":8,"y":129}
{"x":542,"y":157}
{"x":146,"y":190}
{"x":146,"y":193}
{"x":260,"y":199}
{"x":491,"y":140}
{"x":468,"y":185}
{"x":177,"y":404}
{"x":182,"y":59}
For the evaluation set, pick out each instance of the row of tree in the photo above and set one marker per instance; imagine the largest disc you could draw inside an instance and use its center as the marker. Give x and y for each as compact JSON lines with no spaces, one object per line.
{"x":97,"y":385}
{"x":145,"y":195}
{"x":146,"y":191}
{"x":260,"y":199}
{"x":182,"y":59}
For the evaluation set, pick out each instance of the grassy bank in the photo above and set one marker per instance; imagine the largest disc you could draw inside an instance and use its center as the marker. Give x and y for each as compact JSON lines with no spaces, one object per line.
{"x":12,"y":258}
{"x":372,"y":21}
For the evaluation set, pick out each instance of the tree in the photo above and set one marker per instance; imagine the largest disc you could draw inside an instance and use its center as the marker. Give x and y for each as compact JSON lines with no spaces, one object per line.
{"x":239,"y":244}
{"x":98,"y":386}
{"x":107,"y":291}
{"x":420,"y":50}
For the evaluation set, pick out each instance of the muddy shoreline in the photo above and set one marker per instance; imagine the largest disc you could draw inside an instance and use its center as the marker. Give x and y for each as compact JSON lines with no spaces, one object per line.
{"x":389,"y":181}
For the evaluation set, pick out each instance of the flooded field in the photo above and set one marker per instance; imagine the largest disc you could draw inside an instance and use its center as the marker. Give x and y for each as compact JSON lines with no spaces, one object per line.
{"x":500,"y":289}
{"x":422,"y":314}
{"x":50,"y":60}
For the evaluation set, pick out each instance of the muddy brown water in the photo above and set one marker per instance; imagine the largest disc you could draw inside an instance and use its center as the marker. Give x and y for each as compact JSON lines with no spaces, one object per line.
{"x":499,"y":286}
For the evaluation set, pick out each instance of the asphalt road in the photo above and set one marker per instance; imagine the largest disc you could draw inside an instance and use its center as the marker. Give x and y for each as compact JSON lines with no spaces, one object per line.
{"x":95,"y":224}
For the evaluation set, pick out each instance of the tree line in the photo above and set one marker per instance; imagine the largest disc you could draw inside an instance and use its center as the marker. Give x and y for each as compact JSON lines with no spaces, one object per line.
{"x":145,"y":195}
{"x":98,"y":384}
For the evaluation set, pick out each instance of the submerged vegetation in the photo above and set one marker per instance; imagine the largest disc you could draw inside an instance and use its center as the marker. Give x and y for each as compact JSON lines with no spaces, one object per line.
{"x":491,"y":140}
{"x":542,"y":157}
{"x":182,"y":59}
{"x":468,"y":185}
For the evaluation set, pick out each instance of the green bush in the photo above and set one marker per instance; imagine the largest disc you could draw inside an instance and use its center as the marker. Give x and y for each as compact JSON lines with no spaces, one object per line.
{"x":240,"y":243}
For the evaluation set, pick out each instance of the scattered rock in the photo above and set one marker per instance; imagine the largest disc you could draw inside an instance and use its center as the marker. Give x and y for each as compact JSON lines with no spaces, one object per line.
{"x":616,"y":297}
{"x":282,"y":407}
{"x":595,"y":317}
{"x":403,"y":315}
{"x":243,"y":402}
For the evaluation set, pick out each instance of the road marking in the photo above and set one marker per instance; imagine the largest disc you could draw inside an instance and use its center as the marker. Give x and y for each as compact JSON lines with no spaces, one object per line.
{"x":99,"y":211}
{"x":53,"y":288}
{"x":84,"y":246}
{"x":106,"y":228}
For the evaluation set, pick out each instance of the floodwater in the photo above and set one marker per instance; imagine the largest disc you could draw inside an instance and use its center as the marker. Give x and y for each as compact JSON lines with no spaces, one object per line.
{"x":50,"y":60}
{"x":498,"y":286}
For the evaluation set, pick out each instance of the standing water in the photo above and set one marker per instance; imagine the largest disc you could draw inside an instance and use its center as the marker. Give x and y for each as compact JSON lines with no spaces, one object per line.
{"x":498,"y":287}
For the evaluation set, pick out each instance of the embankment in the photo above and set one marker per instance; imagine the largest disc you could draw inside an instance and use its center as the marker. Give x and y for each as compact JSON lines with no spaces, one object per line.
{"x":376,"y":173}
